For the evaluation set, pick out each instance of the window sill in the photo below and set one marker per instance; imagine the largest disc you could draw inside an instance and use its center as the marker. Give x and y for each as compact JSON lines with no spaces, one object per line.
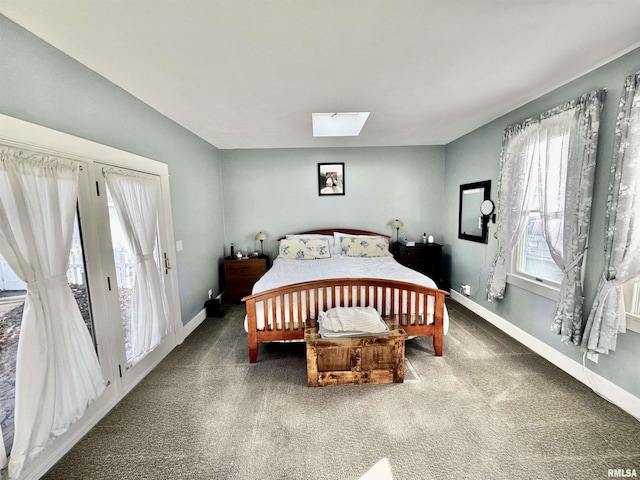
{"x":633,"y":324}
{"x":553,"y":293}
{"x":534,"y":286}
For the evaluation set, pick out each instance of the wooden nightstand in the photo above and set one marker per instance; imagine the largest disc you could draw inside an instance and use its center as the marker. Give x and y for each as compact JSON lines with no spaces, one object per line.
{"x":240,"y":275}
{"x":424,"y":257}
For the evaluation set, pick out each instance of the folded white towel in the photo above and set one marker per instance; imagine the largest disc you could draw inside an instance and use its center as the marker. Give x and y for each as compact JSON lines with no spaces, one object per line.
{"x":352,"y":319}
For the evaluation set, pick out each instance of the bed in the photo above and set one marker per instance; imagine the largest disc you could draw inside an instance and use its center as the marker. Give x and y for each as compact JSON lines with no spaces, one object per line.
{"x":319,"y":269}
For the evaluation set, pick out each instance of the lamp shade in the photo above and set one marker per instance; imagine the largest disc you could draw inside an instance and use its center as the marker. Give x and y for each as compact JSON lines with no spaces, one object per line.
{"x":397,"y":224}
{"x":261,"y":236}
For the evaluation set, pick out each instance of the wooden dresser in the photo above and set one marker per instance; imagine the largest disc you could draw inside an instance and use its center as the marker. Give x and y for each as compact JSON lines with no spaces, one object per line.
{"x":424,"y":257}
{"x":240,"y":275}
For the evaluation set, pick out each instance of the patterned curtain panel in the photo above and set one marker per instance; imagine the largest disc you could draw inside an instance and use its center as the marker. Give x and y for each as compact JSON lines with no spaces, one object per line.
{"x":566,"y":192}
{"x":622,"y":232}
{"x":556,"y":152}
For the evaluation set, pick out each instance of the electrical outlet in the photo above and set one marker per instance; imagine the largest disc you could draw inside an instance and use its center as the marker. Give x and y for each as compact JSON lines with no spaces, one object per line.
{"x":592,"y":356}
{"x":210,"y":293}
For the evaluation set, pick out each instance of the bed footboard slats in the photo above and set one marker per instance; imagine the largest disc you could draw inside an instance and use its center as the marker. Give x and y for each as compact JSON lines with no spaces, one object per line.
{"x":281,"y":313}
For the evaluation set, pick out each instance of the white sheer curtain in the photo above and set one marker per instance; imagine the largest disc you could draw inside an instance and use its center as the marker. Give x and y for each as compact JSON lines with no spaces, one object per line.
{"x":57,"y":370}
{"x":622,"y":229}
{"x":135,"y":197}
{"x":566,"y":165}
{"x":514,"y":189}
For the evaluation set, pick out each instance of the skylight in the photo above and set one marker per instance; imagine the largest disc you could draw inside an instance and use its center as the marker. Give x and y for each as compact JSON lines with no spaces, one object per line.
{"x":339,"y":124}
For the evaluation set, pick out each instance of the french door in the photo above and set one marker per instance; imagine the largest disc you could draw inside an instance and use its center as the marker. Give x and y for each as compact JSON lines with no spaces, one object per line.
{"x":132,"y":321}
{"x":104,"y":273}
{"x":102,"y":276}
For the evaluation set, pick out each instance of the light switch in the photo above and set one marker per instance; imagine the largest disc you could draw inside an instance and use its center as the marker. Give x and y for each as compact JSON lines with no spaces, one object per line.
{"x":178,"y":245}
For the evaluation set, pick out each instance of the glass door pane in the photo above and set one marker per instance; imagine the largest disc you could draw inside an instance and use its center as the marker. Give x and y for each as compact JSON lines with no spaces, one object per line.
{"x":12,"y":297}
{"x":125,"y":264}
{"x":77,"y":278}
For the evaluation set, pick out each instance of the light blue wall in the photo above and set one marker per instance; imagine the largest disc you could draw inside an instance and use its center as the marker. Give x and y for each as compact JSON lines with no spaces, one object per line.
{"x":276,"y":191}
{"x":41,"y":85}
{"x":476,"y":157}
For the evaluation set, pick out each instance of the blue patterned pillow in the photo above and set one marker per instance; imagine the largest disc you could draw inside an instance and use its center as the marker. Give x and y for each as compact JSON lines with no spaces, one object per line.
{"x":365,"y":247}
{"x":304,"y":248}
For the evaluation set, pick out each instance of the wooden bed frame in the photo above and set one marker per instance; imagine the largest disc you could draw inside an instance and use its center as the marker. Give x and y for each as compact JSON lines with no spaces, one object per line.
{"x":345,"y":292}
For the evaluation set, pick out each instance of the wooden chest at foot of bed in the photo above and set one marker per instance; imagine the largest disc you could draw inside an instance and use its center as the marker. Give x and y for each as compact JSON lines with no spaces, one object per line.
{"x":354,"y":360}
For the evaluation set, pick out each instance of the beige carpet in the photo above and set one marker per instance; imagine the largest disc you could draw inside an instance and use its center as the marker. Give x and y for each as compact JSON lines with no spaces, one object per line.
{"x":488,"y":409}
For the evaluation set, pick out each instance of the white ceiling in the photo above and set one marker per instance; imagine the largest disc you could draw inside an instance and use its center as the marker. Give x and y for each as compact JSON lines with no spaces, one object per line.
{"x":248,"y":74}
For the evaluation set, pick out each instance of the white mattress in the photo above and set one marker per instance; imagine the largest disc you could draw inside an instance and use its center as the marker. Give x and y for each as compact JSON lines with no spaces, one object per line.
{"x":285,"y":272}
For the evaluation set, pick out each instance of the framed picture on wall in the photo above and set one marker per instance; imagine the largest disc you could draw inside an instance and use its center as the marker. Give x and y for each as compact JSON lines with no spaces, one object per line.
{"x":330,"y":179}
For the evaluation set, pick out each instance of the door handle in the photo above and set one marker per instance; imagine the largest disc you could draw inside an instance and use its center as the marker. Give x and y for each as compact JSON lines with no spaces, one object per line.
{"x":167,"y":264}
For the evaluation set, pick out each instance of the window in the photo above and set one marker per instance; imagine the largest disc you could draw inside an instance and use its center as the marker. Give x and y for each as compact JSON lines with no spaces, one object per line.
{"x":554,"y":152}
{"x":631,"y":292}
{"x":532,"y":256}
{"x":532,"y":266}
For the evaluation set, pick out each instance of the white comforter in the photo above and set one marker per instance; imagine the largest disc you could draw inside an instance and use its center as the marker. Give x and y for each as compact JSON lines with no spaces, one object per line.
{"x":285,"y":272}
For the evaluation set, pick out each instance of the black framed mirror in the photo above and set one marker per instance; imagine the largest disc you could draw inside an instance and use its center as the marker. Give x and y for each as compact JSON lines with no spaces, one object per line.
{"x":472,"y":223}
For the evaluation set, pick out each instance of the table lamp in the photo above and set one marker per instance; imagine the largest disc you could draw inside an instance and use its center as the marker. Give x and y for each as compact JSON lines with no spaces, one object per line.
{"x":262,"y":237}
{"x":397,"y":224}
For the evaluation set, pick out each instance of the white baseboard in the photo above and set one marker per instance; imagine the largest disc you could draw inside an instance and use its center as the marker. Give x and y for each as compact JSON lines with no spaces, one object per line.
{"x":616,"y":395}
{"x":193,"y":323}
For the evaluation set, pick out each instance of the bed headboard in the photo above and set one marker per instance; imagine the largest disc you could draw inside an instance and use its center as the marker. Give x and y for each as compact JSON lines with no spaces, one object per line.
{"x":348,"y":231}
